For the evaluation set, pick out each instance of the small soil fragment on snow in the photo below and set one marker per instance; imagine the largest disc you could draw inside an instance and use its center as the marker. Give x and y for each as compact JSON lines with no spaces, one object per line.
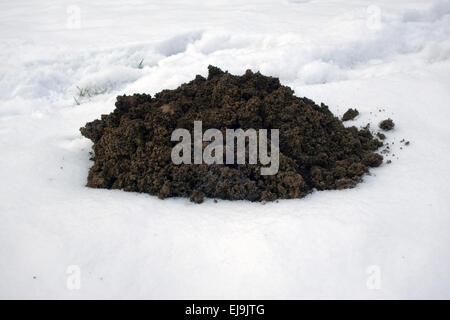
{"x":406,"y":143}
{"x":387,"y":124}
{"x":381,"y":136}
{"x":350,"y":114}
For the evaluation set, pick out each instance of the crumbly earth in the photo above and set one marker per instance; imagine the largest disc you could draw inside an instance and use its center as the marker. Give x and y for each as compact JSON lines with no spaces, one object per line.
{"x":132,"y":145}
{"x":387,"y":124}
{"x":350,"y":114}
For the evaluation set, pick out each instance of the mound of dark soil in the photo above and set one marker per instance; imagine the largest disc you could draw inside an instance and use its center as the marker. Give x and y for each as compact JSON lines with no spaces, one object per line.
{"x":132,"y":145}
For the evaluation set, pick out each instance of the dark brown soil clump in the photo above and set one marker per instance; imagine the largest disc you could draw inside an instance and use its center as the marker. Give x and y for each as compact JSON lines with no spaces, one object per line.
{"x":387,"y":124}
{"x":132,"y":145}
{"x":350,"y":114}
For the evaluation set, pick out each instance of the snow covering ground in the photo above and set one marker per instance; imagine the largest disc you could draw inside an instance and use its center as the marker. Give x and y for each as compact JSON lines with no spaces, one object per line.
{"x":63,"y":63}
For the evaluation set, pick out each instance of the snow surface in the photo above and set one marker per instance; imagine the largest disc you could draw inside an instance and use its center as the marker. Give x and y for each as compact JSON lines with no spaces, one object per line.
{"x":393,"y":55}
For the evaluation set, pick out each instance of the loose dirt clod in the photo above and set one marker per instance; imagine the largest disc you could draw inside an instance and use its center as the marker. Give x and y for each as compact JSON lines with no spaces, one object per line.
{"x":387,"y":124}
{"x":350,"y":114}
{"x":132,"y":145}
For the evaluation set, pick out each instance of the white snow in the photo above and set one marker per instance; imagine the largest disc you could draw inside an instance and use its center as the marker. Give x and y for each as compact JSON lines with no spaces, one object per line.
{"x":393,"y":55}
